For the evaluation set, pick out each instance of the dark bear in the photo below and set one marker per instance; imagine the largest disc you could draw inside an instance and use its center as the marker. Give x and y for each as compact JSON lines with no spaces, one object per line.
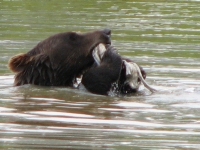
{"x":59,"y":59}
{"x":99,"y":78}
{"x":111,"y":72}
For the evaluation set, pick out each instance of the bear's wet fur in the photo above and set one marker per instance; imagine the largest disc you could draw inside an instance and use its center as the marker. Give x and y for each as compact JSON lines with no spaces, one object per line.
{"x":99,"y":79}
{"x":57,"y":60}
{"x":109,"y":73}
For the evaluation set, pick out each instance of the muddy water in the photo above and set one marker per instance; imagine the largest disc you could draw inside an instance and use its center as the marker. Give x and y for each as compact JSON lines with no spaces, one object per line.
{"x":163,"y":37}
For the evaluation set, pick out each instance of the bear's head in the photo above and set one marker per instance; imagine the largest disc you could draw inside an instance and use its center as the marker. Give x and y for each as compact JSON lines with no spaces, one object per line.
{"x":130,"y":80}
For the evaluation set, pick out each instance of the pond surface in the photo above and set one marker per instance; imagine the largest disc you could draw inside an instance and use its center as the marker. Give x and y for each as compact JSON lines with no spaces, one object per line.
{"x":162,"y":36}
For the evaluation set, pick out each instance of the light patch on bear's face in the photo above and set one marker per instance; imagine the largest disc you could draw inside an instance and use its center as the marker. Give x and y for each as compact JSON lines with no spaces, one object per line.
{"x":98,"y":53}
{"x":131,"y":75}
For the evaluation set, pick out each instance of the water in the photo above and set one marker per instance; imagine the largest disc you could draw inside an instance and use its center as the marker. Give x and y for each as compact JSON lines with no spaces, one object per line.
{"x":161,"y":36}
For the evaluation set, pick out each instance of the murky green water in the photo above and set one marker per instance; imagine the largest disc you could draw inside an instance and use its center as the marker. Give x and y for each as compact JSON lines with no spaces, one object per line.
{"x":162,"y":36}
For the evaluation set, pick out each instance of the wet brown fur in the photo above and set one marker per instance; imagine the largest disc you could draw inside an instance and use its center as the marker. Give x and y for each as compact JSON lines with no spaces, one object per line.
{"x":57,"y":60}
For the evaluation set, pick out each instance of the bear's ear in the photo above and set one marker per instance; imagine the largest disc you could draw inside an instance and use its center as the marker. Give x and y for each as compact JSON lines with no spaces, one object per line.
{"x":17,"y":63}
{"x":73,"y":36}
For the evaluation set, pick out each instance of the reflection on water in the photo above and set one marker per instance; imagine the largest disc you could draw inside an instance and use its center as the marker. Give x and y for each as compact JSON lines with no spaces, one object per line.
{"x":161,"y":36}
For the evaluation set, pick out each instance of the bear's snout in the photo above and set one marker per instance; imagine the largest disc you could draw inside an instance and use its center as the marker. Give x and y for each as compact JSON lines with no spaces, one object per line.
{"x":107,"y":35}
{"x":107,"y":32}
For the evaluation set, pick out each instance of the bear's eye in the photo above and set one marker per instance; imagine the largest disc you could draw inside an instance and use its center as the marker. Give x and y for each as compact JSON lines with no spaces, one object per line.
{"x":73,"y":36}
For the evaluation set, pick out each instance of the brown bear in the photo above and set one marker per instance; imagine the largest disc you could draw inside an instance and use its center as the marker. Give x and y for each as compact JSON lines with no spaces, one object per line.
{"x":59,"y":59}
